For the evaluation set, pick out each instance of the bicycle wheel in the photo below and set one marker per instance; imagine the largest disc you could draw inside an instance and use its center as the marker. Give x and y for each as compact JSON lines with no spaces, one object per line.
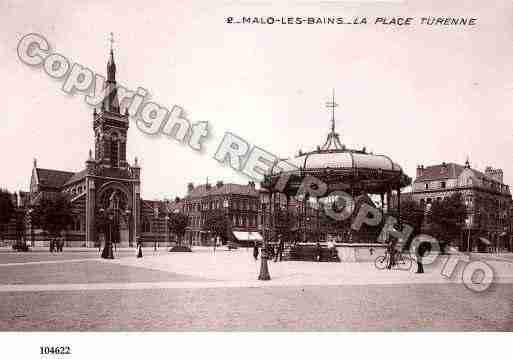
{"x":404,"y":263}
{"x":381,"y":262}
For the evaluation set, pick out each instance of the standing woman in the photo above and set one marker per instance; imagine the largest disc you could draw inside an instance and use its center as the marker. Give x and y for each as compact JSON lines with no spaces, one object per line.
{"x":255,"y":250}
{"x":139,"y":249}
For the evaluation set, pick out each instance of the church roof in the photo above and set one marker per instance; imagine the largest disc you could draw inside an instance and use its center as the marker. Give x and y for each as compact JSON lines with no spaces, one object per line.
{"x":53,"y":178}
{"x":77,"y":177}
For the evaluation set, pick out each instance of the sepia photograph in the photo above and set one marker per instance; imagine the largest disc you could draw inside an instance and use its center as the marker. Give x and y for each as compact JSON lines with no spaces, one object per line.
{"x":180,"y":168}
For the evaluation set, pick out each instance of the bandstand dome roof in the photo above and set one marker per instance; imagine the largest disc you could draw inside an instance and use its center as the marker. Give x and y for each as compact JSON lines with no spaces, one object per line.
{"x":338,"y":165}
{"x":317,"y":160}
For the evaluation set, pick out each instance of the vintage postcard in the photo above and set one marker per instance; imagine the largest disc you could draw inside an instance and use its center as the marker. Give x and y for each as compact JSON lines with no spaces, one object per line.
{"x":254,"y":166}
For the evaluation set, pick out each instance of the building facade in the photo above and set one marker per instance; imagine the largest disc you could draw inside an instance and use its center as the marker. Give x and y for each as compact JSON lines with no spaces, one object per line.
{"x":238,"y":203}
{"x":486,"y":197}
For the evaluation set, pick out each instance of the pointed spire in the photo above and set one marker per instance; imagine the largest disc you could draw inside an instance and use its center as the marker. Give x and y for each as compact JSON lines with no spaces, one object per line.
{"x":467,"y":162}
{"x":111,"y":65}
{"x":90,"y":155}
{"x":35,"y":162}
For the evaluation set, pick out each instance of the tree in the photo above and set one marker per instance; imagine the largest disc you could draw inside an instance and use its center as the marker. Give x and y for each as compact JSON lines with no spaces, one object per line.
{"x":218,"y":224}
{"x":285,"y":223}
{"x":53,"y":214}
{"x":446,"y":218}
{"x":6,"y":209}
{"x":177,"y":224}
{"x":412,"y":214}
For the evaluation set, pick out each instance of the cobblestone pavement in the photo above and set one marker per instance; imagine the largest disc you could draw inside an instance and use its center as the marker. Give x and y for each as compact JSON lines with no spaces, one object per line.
{"x":439,"y":307}
{"x":207,"y":291}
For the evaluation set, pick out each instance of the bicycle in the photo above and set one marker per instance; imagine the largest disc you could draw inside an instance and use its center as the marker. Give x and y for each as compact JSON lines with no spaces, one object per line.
{"x":402,"y":261}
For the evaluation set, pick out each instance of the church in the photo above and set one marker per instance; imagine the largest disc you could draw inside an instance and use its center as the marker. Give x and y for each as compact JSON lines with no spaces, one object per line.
{"x":107,"y":184}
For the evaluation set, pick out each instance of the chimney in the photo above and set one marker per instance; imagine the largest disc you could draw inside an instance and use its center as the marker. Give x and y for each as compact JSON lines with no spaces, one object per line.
{"x":190,"y":187}
{"x":219,"y":184}
{"x":251,"y":184}
{"x":420,"y":170}
{"x":495,"y":173}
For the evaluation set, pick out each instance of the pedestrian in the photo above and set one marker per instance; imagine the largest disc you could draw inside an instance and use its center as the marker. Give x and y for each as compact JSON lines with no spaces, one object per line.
{"x":318,"y":251}
{"x":281,"y":248}
{"x":255,"y":250}
{"x":420,"y":252}
{"x":371,"y":251}
{"x":331,"y":248}
{"x":139,"y":250}
{"x":391,"y":252}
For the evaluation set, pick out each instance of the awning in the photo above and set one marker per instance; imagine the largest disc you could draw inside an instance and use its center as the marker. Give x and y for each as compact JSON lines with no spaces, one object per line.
{"x":247,"y":236}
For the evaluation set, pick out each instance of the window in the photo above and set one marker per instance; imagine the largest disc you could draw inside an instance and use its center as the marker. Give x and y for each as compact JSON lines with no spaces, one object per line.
{"x":114,"y":151}
{"x":442,"y":184}
{"x":426,"y":186}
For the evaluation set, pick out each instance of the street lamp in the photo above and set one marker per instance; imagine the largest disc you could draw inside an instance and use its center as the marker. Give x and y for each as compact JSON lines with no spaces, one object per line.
{"x":468,"y":222}
{"x":264,"y":269}
{"x":107,"y":252}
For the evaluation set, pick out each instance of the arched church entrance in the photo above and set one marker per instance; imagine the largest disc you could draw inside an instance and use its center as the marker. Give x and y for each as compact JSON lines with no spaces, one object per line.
{"x":115,"y":212}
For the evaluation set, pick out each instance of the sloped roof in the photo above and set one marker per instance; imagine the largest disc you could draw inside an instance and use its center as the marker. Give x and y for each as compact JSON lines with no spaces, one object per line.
{"x":161,"y":205}
{"x":224,"y":189}
{"x":449,"y":171}
{"x":53,"y":178}
{"x":77,"y":177}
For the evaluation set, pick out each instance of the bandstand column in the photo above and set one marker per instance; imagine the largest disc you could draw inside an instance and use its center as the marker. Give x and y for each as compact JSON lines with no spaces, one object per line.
{"x":399,"y":207}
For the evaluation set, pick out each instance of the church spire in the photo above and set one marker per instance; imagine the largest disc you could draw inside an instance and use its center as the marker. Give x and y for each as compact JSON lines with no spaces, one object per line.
{"x":111,"y":102}
{"x":111,"y":65}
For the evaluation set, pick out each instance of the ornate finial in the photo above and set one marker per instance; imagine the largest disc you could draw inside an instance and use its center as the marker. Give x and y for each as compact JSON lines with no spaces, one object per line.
{"x":332,"y":104}
{"x":467,"y":162}
{"x":111,"y":40}
{"x":136,"y":162}
{"x":35,"y":163}
{"x":90,"y":155}
{"x":333,"y":140}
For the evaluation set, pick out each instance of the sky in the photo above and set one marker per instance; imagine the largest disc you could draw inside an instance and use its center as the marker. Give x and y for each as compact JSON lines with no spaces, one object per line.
{"x":419,"y":94}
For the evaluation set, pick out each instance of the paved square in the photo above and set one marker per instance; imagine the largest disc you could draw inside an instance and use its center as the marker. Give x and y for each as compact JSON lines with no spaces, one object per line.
{"x":220,"y":291}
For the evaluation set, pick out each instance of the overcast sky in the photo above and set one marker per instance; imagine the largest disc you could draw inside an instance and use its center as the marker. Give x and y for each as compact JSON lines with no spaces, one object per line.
{"x":420,"y":94}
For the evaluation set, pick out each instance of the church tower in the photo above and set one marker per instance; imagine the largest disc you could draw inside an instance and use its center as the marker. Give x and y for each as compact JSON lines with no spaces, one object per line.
{"x":110,"y":125}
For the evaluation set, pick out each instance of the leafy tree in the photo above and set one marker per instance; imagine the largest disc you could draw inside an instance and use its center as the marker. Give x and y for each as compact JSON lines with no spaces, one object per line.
{"x":177,"y":224}
{"x":6,"y":208}
{"x":285,"y":223}
{"x":53,"y":214}
{"x":412,"y":214}
{"x":446,"y":218}
{"x":218,"y":224}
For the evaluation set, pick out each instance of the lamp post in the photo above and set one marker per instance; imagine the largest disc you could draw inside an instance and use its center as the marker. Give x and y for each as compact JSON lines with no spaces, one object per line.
{"x":468,"y":222}
{"x":264,"y":269}
{"x":107,"y":252}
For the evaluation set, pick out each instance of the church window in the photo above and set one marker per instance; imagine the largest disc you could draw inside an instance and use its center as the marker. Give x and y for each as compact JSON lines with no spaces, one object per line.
{"x":114,"y":151}
{"x":426,"y":186}
{"x":442,"y":184}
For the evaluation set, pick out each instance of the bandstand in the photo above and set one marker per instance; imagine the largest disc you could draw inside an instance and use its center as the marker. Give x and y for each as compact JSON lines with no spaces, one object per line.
{"x":337,"y":168}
